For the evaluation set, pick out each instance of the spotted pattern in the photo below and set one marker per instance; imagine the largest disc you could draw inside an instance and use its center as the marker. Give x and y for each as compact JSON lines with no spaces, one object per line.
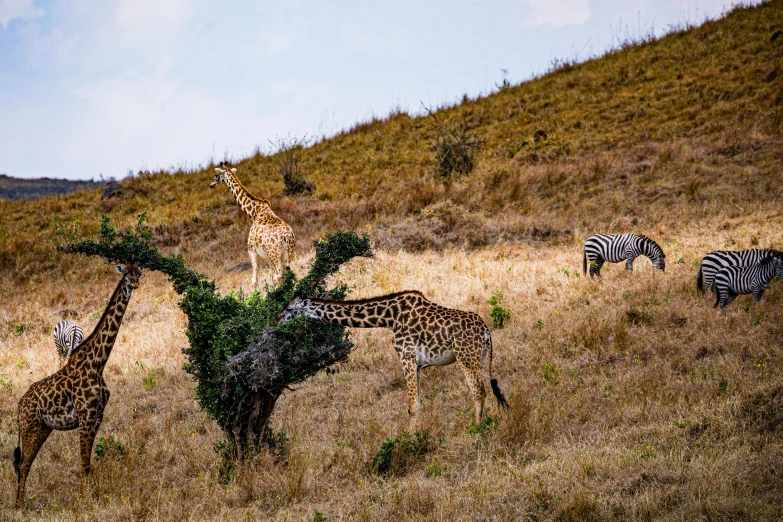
{"x":76,"y":395}
{"x":425,"y":334}
{"x":269,"y":234}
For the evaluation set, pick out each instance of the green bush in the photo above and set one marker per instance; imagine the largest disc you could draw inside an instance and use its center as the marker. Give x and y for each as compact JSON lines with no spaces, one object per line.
{"x":241,"y":358}
{"x":498,"y":314}
{"x":398,"y":455}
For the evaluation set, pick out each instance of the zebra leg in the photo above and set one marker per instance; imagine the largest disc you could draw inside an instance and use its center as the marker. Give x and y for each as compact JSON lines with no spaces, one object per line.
{"x":728,"y":299}
{"x":757,"y":295}
{"x":629,"y":264}
{"x":595,"y":266}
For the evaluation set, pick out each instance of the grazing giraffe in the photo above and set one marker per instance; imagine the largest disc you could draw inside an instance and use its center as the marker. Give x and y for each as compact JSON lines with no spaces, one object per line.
{"x":269,"y":234}
{"x":76,"y":395}
{"x":425,"y":334}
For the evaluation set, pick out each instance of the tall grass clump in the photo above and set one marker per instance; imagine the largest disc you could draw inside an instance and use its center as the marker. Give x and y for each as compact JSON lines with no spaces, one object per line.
{"x":453,"y":145}
{"x":241,"y":358}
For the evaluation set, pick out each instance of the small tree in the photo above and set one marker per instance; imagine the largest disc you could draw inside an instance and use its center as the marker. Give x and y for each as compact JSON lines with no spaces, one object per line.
{"x":241,"y":358}
{"x":454,"y":147}
{"x":287,"y":158}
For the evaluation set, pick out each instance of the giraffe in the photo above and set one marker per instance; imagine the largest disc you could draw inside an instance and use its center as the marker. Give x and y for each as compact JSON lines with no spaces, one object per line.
{"x":75,"y":396}
{"x":268,"y":234}
{"x":425,"y":334}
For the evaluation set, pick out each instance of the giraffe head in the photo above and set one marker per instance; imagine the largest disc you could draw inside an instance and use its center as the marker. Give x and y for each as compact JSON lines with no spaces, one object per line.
{"x":220,"y":174}
{"x":296,"y":307}
{"x":132,"y":275}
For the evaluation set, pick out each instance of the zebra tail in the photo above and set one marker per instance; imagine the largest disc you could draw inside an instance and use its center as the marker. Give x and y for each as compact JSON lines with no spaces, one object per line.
{"x":700,"y":281}
{"x":584,"y":263}
{"x":17,"y":461}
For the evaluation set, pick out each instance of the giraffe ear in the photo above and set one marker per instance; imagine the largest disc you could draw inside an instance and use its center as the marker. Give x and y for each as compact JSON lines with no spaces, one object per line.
{"x":219,"y":170}
{"x":119,"y":269}
{"x":234,"y":170}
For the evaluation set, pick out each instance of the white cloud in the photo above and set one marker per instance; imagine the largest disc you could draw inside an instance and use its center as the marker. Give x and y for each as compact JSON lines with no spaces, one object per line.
{"x":21,"y":9}
{"x":557,"y":13}
{"x":150,"y":21}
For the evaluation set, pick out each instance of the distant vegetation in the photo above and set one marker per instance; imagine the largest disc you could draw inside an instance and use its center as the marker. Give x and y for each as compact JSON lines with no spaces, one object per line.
{"x":17,"y":189}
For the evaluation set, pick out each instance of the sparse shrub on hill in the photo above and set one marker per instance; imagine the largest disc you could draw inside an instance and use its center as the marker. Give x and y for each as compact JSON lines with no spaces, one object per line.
{"x":241,"y":358}
{"x":454,"y":146}
{"x":287,"y":159}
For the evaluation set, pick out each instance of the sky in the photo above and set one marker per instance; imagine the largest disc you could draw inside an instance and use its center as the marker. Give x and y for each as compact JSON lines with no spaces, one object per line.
{"x":97,"y":88}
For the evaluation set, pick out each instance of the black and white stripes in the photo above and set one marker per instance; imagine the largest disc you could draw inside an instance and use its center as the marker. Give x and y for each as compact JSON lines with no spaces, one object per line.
{"x":67,"y":336}
{"x":615,"y":248}
{"x":732,"y":281}
{"x":715,"y":261}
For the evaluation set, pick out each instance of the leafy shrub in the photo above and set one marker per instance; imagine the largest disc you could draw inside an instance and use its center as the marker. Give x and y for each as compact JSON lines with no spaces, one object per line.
{"x":109,"y":447}
{"x":397,"y":455}
{"x":287,"y":159}
{"x":241,"y":358}
{"x":483,"y":428}
{"x":454,"y":147}
{"x":498,"y":314}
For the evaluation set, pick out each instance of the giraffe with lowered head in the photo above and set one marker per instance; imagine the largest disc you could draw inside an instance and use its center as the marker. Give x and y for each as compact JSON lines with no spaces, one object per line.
{"x":425,"y":334}
{"x":76,"y":395}
{"x":269,"y":234}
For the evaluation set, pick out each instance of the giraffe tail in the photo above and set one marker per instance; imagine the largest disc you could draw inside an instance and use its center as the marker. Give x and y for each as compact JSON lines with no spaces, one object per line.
{"x":502,"y":402}
{"x":17,"y":461}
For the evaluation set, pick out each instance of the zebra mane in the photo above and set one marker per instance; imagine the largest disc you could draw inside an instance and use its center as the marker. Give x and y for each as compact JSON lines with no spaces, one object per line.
{"x":646,"y":240}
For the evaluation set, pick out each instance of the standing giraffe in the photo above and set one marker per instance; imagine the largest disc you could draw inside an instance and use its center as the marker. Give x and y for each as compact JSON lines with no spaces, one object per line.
{"x":269,"y":234}
{"x":76,"y":395}
{"x":425,"y":334}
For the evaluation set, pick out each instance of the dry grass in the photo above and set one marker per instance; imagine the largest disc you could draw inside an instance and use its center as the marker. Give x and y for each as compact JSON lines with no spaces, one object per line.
{"x":629,"y":421}
{"x":631,"y":397}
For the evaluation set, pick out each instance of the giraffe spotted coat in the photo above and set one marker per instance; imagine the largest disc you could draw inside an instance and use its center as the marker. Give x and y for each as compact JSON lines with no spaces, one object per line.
{"x":425,"y":334}
{"x":76,"y":395}
{"x":269,"y":234}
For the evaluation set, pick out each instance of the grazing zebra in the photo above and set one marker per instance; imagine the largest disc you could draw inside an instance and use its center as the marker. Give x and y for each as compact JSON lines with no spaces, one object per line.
{"x":620,"y":247}
{"x":732,"y":281}
{"x":714,"y":261}
{"x":67,"y":336}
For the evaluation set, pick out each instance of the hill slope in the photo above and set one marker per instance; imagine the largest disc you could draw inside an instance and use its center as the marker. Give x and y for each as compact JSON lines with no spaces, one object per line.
{"x":18,"y":188}
{"x":631,"y":397}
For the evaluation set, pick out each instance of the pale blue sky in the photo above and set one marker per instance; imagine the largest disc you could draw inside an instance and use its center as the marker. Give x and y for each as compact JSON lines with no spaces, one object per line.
{"x":91,"y":87}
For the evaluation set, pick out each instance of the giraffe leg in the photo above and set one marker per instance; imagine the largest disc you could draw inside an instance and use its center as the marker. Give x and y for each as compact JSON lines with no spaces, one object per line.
{"x":88,"y":428}
{"x":411,"y":370}
{"x":251,"y":251}
{"x":32,"y":434}
{"x":476,"y":385}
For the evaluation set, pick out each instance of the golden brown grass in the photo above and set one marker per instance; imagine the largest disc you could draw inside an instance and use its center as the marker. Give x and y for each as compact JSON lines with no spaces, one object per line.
{"x":631,"y":398}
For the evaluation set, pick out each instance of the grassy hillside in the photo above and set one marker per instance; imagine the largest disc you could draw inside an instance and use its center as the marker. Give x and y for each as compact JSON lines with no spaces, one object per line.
{"x":37,"y":188}
{"x":631,"y":397}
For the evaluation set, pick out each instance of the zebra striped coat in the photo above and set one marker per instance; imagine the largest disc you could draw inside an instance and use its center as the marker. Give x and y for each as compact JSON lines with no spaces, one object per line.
{"x":715,"y":261}
{"x":67,"y":336}
{"x":732,"y":281}
{"x":615,"y":248}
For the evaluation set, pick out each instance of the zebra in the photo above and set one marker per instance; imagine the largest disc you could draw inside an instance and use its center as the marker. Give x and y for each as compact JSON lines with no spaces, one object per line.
{"x":732,"y":281}
{"x":67,"y":336}
{"x":714,"y":261}
{"x":620,"y":247}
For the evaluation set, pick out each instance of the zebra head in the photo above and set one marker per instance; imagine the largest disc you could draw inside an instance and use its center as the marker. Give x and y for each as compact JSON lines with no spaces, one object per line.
{"x":652,"y":250}
{"x":67,"y":336}
{"x":221,"y":172}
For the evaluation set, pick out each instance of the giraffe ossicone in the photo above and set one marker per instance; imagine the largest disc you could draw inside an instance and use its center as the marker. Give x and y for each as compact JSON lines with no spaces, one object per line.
{"x":269,"y":235}
{"x":425,"y":334}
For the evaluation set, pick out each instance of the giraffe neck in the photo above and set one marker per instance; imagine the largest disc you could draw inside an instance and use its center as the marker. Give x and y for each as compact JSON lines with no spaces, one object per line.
{"x":251,"y":205}
{"x":370,"y":313}
{"x":96,"y":349}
